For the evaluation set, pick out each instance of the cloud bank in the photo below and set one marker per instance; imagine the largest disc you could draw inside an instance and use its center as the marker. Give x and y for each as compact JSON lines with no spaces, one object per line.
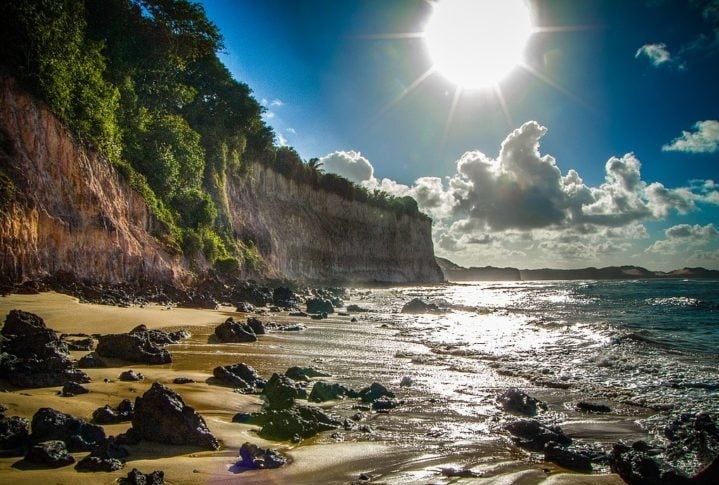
{"x":520,"y":207}
{"x":704,"y":139}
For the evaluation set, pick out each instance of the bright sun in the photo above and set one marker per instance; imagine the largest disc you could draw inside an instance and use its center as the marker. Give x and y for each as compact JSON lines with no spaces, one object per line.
{"x":475,"y":43}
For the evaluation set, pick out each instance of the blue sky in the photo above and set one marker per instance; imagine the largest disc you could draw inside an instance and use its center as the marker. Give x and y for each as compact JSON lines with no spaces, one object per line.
{"x":600,"y":147}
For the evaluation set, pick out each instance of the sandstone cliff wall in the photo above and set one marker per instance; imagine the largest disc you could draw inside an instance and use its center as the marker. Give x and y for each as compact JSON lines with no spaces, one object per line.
{"x":73,"y":213}
{"x":316,"y":236}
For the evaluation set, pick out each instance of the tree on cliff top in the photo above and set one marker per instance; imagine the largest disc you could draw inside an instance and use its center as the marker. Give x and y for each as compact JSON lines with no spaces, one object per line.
{"x":141,"y":81}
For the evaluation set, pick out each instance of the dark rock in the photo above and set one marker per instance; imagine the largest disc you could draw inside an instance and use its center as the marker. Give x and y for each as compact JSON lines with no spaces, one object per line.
{"x":298,"y":421}
{"x":417,"y":306}
{"x":256,"y":325}
{"x":136,"y":477}
{"x":250,"y":418}
{"x":319,"y":306}
{"x":52,"y":453}
{"x":304,"y":373}
{"x":709,"y":475}
{"x":159,"y":337}
{"x":515,"y":401}
{"x":14,"y":434}
{"x":240,"y":376}
{"x":91,"y":361}
{"x":107,"y":415}
{"x":693,"y":438}
{"x":33,"y":355}
{"x":281,"y":392}
{"x":533,"y":435}
{"x":256,"y":295}
{"x":255,"y":458}
{"x":79,"y":435}
{"x":635,"y":464}
{"x":233,"y":331}
{"x":182,"y":380}
{"x":108,"y":457}
{"x":78,"y":342}
{"x":284,"y":297}
{"x":244,"y":307}
{"x":385,"y":404}
{"x":323,"y":391}
{"x":589,"y":407}
{"x":73,"y":388}
{"x":162,"y":416}
{"x":356,"y":309}
{"x":374,"y":392}
{"x":569,"y":459}
{"x":131,"y":376}
{"x":135,"y":347}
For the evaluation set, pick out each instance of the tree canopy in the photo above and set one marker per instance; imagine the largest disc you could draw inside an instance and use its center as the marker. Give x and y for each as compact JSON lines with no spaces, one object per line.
{"x":140,"y":80}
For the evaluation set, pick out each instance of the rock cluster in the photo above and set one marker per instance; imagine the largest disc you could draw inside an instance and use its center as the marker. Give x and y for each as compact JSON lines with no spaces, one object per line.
{"x":33,"y":355}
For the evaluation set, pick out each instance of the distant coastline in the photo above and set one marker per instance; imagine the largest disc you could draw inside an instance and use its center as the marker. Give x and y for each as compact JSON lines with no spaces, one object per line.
{"x":454,"y":272}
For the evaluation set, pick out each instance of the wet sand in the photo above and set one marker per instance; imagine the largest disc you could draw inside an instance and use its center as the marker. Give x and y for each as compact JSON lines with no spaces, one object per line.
{"x":317,"y":460}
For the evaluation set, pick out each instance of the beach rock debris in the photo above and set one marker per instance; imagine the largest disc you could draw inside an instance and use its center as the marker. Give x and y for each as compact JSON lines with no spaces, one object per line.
{"x":140,"y":347}
{"x":136,"y":477}
{"x":14,"y":435}
{"x":52,"y":454}
{"x":417,"y":306}
{"x":233,"y":331}
{"x":79,"y":435}
{"x":691,"y":455}
{"x":281,"y":392}
{"x":71,"y":388}
{"x":240,"y":376}
{"x":107,"y":457}
{"x":253,"y":457}
{"x":162,"y":416}
{"x":108,"y":415}
{"x":515,"y":401}
{"x":32,"y":355}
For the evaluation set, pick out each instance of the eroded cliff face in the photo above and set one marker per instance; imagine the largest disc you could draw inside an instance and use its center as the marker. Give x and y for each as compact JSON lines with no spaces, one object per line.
{"x":316,"y":236}
{"x":72,"y":212}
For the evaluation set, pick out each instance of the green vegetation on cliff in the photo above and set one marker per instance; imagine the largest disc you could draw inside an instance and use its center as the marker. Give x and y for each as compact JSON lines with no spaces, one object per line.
{"x":140,"y":81}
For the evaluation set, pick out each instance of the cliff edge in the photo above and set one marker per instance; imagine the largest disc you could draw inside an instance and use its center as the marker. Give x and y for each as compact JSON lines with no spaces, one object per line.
{"x":65,"y":209}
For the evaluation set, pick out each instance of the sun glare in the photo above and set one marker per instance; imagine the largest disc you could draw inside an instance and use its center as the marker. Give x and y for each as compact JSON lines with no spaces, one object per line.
{"x":476,"y":43}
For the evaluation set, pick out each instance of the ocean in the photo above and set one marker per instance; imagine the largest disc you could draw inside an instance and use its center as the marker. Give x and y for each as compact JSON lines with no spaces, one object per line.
{"x":647,"y":349}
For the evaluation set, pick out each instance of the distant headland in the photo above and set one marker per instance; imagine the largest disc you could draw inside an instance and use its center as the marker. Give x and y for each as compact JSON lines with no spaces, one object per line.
{"x":454,"y":272}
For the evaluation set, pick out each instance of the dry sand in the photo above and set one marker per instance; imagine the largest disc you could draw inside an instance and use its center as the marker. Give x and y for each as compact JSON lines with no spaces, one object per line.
{"x":311,"y":462}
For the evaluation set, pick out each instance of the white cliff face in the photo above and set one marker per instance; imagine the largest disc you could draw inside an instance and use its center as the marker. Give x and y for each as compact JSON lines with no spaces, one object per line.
{"x":313,"y":235}
{"x":74,"y":213}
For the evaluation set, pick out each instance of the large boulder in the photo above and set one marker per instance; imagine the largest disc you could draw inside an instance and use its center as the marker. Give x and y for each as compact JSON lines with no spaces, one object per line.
{"x":284,"y":297}
{"x":297,"y":422}
{"x":323,"y":391}
{"x":281,"y":392}
{"x":160,"y":337}
{"x":52,"y":454}
{"x":417,"y":306}
{"x":108,"y":415}
{"x":32,"y":355}
{"x":532,"y":435}
{"x":132,"y":347}
{"x":108,"y":457}
{"x":304,"y":373}
{"x":256,"y":295}
{"x":162,"y":416}
{"x":240,"y":376}
{"x":136,"y":477}
{"x":79,"y":435}
{"x":233,"y":331}
{"x":14,"y":434}
{"x":374,"y":392}
{"x":319,"y":305}
{"x":255,"y":458}
{"x":515,"y":401}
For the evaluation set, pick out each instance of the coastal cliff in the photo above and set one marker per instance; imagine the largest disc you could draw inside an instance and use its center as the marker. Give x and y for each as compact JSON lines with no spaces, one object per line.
{"x":65,"y":209}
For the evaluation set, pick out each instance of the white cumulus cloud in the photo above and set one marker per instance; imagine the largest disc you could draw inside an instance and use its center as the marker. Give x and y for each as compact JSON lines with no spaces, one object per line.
{"x":349,"y":164}
{"x":704,"y":139}
{"x":656,"y":53}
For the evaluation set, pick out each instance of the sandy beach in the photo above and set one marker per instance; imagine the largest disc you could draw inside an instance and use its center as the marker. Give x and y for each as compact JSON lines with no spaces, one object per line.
{"x":317,"y":460}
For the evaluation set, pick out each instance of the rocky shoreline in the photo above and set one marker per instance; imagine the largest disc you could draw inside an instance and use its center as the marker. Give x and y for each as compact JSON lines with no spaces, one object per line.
{"x":296,"y":404}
